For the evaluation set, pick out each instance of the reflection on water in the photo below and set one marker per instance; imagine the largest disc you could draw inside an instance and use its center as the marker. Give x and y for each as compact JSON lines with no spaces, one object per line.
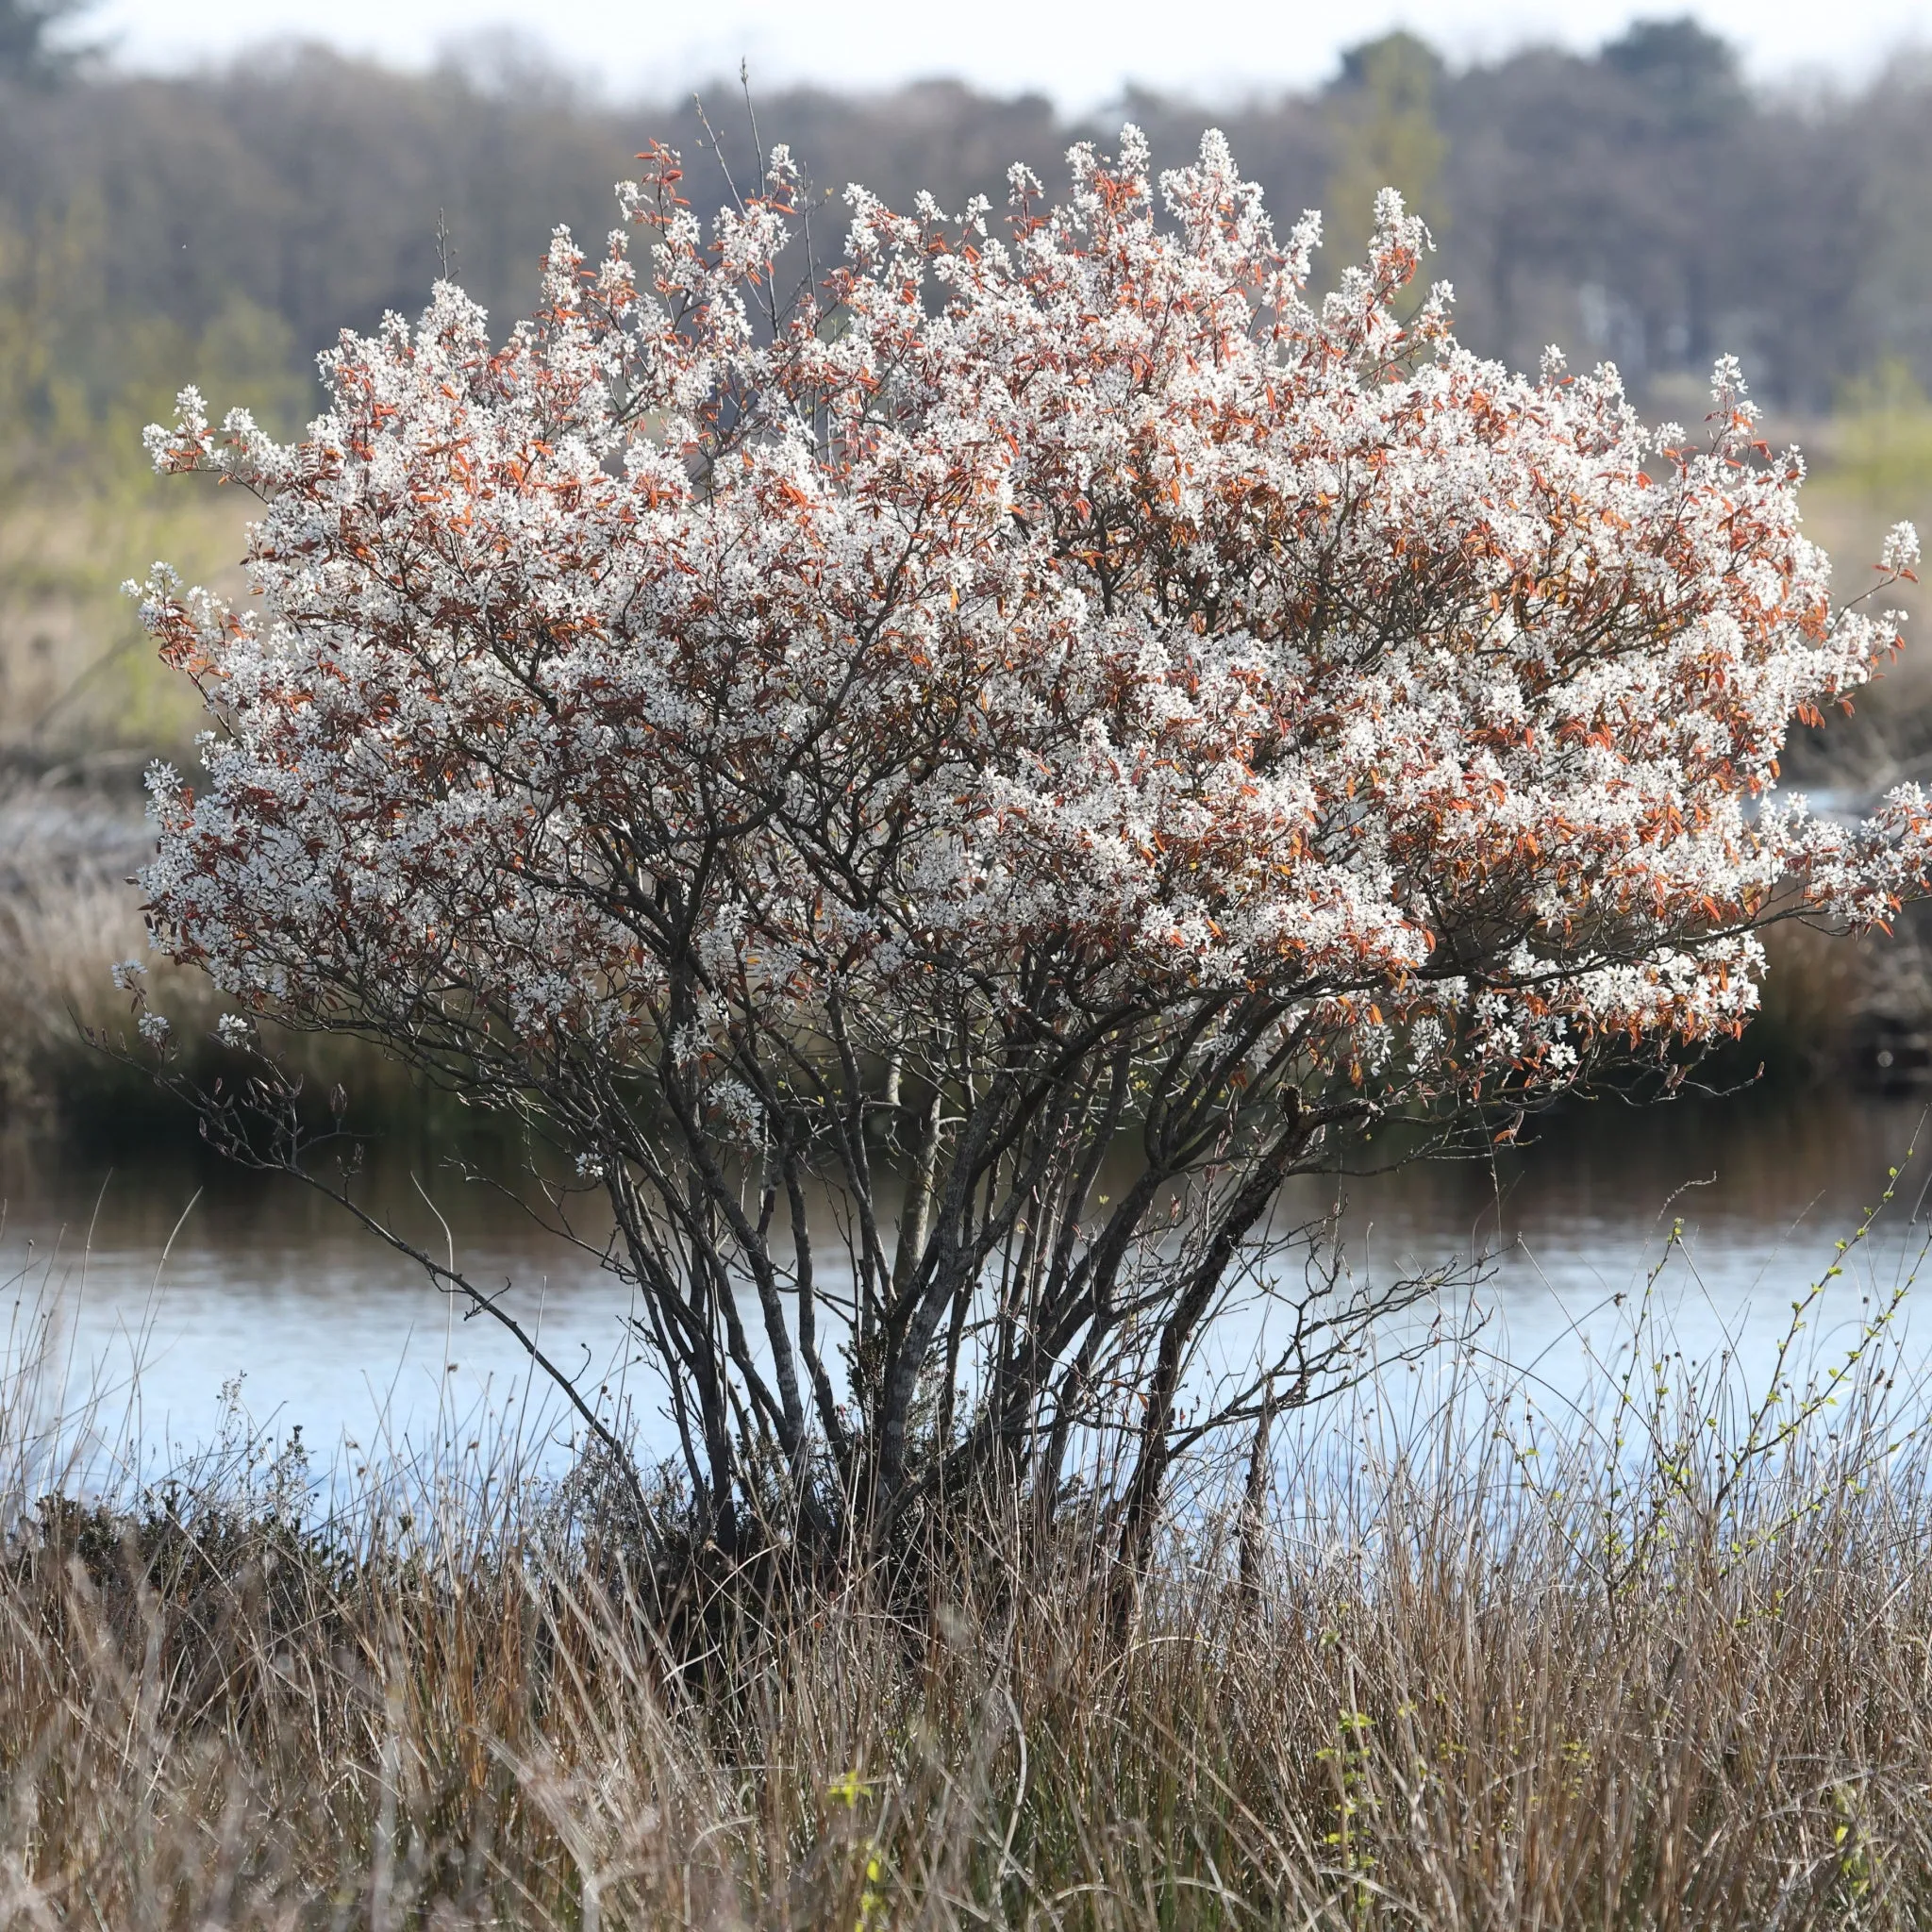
{"x":224,"y":1289}
{"x":1572,"y":1228}
{"x":329,"y":1329}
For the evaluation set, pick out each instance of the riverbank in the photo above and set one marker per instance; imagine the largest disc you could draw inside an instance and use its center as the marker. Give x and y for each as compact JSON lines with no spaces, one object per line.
{"x":1836,"y":1012}
{"x":1476,"y":1671}
{"x":72,"y":834}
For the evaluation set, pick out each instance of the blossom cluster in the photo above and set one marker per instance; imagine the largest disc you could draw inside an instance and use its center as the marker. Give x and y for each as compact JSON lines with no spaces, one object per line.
{"x":1069,"y":613}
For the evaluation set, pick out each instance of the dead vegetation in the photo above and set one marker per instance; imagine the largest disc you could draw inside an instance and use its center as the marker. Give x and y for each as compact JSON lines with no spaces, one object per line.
{"x":1665,"y":1665}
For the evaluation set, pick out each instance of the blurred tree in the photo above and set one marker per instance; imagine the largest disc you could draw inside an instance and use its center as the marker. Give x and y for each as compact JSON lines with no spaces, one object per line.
{"x":1383,"y":110}
{"x":1640,"y":204}
{"x":1891,"y":298}
{"x":1688,"y":72}
{"x":29,"y":55}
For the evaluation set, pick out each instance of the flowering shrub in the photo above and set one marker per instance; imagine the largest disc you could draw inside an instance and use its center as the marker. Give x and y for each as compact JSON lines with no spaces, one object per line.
{"x":1038,"y":691}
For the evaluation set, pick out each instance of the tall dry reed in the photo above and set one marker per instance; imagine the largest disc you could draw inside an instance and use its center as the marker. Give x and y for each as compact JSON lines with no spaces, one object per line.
{"x":68,"y":912}
{"x":1665,"y":1664}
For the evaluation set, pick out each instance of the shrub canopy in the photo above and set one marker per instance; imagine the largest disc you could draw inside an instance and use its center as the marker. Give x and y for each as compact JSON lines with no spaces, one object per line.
{"x":1030,"y":681}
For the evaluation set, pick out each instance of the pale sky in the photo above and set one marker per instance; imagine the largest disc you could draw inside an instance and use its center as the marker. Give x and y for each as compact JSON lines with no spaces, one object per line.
{"x":1080,"y":54}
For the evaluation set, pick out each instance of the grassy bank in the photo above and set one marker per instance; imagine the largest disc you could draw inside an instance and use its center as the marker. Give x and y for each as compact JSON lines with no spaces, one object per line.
{"x":1664,"y":1666}
{"x":68,"y":911}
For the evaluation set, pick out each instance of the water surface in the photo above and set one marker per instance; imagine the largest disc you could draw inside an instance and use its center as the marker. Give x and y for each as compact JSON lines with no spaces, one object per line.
{"x":184,"y":1299}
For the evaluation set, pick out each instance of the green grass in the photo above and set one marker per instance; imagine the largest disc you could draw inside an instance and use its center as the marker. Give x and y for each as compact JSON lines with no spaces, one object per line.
{"x":77,"y":675}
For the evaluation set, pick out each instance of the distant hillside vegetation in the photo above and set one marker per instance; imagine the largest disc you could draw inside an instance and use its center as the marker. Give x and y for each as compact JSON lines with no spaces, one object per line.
{"x":1640,"y":203}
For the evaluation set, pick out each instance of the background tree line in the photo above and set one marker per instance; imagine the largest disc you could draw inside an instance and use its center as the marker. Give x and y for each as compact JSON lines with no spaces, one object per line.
{"x":1640,"y":203}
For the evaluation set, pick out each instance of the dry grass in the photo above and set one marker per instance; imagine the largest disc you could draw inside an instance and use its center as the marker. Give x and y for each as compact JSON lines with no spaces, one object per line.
{"x":68,"y":912}
{"x":65,"y":918}
{"x":1670,"y":1669}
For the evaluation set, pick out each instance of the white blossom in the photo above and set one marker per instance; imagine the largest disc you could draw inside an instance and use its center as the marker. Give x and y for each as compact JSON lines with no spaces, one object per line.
{"x":1082,"y":592}
{"x":1900,"y":551}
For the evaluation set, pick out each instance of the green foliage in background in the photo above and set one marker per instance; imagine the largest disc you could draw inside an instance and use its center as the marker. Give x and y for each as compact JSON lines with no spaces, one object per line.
{"x":82,"y":371}
{"x":79,"y":677}
{"x":1386,"y":136}
{"x":1883,"y":444}
{"x":1640,"y":204}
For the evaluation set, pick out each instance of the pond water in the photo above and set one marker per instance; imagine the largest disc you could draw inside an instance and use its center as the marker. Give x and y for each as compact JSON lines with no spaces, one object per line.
{"x":174,"y":1302}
